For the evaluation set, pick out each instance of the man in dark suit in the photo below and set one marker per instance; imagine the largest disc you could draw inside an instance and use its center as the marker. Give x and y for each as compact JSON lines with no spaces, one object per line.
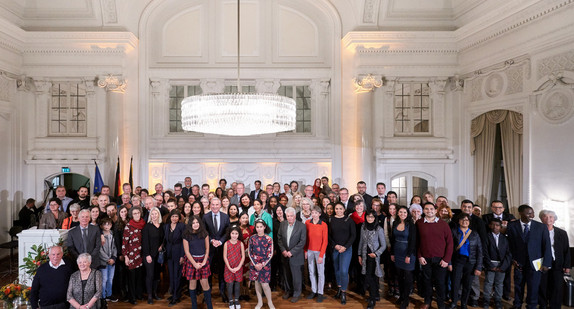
{"x":497,"y":260}
{"x":216,"y":223}
{"x":381,"y":190}
{"x":254,"y":194}
{"x":551,"y":281}
{"x":497,"y":208}
{"x":85,"y":238}
{"x":529,"y":244}
{"x":362,"y":190}
{"x":186,"y":191}
{"x":292,"y":237}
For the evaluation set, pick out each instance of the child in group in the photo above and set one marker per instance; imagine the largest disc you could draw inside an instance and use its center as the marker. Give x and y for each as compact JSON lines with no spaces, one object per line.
{"x":196,"y":247}
{"x":260,"y":254}
{"x":233,"y":256}
{"x":108,"y":256}
{"x":497,"y":259}
{"x":246,"y":232}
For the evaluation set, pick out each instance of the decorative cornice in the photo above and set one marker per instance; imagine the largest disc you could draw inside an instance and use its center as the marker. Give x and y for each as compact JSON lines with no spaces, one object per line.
{"x":470,"y":42}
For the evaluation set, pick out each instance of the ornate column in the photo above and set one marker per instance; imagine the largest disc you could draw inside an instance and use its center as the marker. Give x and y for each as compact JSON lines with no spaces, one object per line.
{"x":115,"y":86}
{"x":364,"y":87}
{"x":437,"y":96}
{"x":320,"y":112}
{"x":43,"y":101}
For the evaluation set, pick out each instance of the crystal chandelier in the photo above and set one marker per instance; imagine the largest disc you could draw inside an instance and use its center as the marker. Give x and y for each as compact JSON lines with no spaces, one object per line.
{"x":238,"y":114}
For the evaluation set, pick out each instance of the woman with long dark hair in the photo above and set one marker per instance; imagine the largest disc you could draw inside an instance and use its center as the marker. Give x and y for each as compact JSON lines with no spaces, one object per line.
{"x":173,"y":239}
{"x":132,"y":252}
{"x":341,"y":239}
{"x":403,"y":252}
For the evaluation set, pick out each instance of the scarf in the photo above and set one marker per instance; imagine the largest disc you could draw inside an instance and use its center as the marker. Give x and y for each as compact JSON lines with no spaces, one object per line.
{"x":356,"y":218}
{"x":370,"y":226}
{"x":138,"y":225}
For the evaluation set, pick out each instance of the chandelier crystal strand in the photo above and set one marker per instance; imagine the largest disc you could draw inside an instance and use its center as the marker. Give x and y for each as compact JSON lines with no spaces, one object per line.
{"x":238,"y":114}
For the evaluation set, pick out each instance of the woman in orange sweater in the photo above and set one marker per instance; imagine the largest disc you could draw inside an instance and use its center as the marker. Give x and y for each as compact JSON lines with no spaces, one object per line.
{"x":317,"y":240}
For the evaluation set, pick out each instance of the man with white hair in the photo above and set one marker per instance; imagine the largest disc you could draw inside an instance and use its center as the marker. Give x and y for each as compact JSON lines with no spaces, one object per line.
{"x":550,"y":295}
{"x":291,"y":238}
{"x":50,"y":284}
{"x":85,"y":238}
{"x":239,"y":190}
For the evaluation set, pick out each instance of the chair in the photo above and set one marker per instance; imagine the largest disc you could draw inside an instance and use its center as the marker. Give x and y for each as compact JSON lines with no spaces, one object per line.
{"x":12,"y":244}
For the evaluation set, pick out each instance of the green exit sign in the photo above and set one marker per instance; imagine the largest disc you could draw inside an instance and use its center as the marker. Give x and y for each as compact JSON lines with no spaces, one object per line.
{"x":65,"y":169}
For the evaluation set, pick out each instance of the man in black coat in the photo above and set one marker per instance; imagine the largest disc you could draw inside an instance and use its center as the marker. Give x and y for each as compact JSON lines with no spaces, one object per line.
{"x":551,"y":281}
{"x":216,"y":223}
{"x":497,"y":261}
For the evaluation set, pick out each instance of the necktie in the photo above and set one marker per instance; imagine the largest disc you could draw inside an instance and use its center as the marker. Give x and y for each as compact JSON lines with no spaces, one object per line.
{"x":85,"y":239}
{"x":215,"y":223}
{"x":526,"y":231}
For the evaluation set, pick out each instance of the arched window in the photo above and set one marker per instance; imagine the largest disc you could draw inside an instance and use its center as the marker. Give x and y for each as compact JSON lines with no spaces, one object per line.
{"x":411,"y":183}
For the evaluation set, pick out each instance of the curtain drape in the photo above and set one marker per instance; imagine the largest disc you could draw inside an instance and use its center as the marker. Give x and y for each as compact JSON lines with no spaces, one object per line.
{"x":483,"y":137}
{"x":511,"y":134}
{"x":484,"y":162}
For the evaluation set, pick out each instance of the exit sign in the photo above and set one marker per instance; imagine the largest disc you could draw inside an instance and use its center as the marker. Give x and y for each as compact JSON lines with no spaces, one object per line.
{"x":65,"y":169}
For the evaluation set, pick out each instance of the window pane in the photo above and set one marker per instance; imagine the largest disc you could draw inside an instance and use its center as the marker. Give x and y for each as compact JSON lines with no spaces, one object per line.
{"x":307,"y":127}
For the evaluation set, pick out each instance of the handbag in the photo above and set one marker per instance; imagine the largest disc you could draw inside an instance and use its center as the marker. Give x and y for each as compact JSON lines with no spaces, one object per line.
{"x":161,"y":256}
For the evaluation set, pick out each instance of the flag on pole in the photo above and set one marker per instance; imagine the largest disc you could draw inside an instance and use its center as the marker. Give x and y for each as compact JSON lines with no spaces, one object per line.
{"x":118,"y":181}
{"x":131,"y":181}
{"x":98,"y":182}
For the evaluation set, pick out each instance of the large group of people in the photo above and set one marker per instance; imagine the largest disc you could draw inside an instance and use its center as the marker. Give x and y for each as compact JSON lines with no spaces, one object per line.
{"x":299,"y":241}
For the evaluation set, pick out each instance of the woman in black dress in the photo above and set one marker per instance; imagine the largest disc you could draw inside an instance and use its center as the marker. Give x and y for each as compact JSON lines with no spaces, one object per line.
{"x":152,"y":244}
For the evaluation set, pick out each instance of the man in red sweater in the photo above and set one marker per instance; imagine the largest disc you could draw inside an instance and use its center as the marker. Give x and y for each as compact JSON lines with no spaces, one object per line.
{"x":317,"y":240}
{"x":434,"y":253}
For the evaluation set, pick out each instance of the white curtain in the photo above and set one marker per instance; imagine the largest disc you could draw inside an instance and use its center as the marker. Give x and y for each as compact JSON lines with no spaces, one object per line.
{"x":511,"y":133}
{"x":484,"y":138}
{"x":483,"y":133}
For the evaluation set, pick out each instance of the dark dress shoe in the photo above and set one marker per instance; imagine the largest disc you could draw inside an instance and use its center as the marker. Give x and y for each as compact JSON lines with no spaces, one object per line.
{"x":295,"y":299}
{"x":321,"y":298}
{"x":371,"y":304}
{"x":150,"y":301}
{"x":338,"y":295}
{"x":473,"y":302}
{"x":133,"y":302}
{"x":343,"y":298}
{"x":311,"y":296}
{"x":157,"y":297}
{"x":285,"y":296}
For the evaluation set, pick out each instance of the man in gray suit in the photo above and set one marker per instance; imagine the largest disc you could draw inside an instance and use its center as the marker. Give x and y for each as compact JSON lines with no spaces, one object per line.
{"x":85,"y":238}
{"x":292,"y":237}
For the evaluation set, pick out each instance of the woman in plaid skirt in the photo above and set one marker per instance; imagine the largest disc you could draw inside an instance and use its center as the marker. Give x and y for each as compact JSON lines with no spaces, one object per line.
{"x":233,"y":256}
{"x":196,"y":247}
{"x":260,"y":254}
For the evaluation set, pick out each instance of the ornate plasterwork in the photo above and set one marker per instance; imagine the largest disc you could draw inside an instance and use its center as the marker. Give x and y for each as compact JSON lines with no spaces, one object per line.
{"x":320,"y":86}
{"x":527,"y":18}
{"x":267,"y":86}
{"x":113,"y":83}
{"x":42,"y":86}
{"x":563,"y":61}
{"x":367,"y":83}
{"x":210,"y":86}
{"x":109,"y":11}
{"x":371,"y":8}
{"x":504,"y":78}
{"x":557,"y":105}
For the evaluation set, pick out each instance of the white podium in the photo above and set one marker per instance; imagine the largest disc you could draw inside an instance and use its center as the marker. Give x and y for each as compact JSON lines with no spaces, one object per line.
{"x":31,"y":237}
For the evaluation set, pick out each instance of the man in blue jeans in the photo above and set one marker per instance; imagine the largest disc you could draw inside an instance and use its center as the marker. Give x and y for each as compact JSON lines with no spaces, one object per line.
{"x":434,"y":254}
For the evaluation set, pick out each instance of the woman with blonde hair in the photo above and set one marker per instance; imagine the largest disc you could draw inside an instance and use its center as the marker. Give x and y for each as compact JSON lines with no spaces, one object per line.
{"x":295,"y":201}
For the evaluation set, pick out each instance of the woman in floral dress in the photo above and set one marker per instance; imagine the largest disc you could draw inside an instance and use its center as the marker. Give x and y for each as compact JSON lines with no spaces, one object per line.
{"x":260,"y":254}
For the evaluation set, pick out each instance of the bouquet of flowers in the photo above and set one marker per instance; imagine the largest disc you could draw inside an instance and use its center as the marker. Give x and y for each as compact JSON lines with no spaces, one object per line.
{"x":11,"y":291}
{"x":37,"y":256}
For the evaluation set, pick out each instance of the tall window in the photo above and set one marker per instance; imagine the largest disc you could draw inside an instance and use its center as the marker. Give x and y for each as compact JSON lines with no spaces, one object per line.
{"x":412,"y":109}
{"x":176,"y":95}
{"x":68,"y":109}
{"x":302,"y":96}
